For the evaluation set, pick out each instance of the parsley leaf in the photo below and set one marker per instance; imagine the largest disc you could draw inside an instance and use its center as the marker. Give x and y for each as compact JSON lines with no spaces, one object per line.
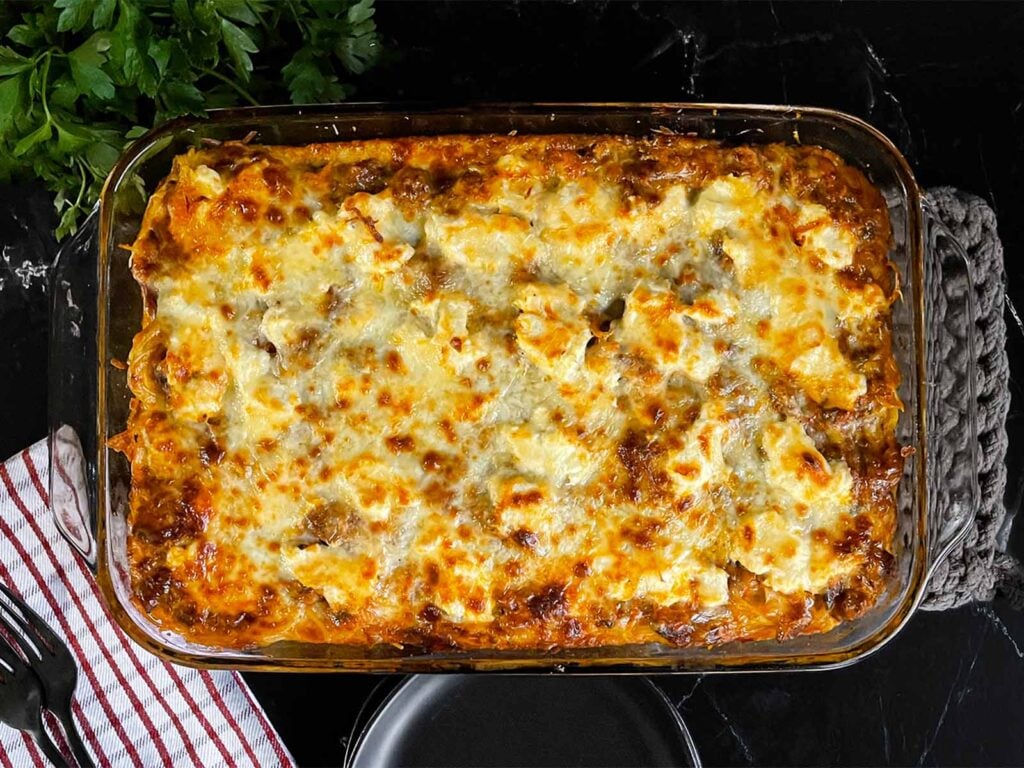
{"x":103,"y":13}
{"x":75,"y":14}
{"x":80,"y":79}
{"x":23,"y":34}
{"x":129,"y":49}
{"x":238,"y":10}
{"x":239,"y":46}
{"x":42,"y":133}
{"x":12,"y":94}
{"x":86,"y":63}
{"x":11,"y":63}
{"x":307,"y":82}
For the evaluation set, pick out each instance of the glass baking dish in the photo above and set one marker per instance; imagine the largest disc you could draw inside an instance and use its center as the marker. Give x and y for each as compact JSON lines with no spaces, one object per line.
{"x":97,"y":310}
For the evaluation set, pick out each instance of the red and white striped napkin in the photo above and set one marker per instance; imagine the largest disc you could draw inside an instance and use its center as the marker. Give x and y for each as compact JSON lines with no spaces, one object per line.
{"x":132,"y":708}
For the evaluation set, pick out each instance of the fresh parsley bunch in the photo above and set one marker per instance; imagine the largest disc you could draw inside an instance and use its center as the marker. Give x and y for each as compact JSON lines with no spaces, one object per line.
{"x":82,"y":78}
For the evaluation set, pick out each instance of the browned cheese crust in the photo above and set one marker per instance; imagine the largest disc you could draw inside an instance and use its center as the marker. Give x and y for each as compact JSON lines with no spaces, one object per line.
{"x":512,"y":392}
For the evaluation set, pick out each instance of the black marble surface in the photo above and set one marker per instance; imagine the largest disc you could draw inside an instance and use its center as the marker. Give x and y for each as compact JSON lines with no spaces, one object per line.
{"x":944,"y":81}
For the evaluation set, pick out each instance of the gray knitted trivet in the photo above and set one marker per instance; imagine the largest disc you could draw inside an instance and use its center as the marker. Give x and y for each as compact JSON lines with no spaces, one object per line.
{"x":978,"y":567}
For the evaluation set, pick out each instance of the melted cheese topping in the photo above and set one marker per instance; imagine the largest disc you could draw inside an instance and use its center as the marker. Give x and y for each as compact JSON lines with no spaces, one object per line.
{"x":509,"y":392}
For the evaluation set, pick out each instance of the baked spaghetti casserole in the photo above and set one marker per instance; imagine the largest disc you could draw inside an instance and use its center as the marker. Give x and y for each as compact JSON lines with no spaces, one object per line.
{"x":496,"y":392}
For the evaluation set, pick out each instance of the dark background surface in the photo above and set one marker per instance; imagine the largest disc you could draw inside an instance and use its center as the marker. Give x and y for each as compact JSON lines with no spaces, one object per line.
{"x":944,"y":81}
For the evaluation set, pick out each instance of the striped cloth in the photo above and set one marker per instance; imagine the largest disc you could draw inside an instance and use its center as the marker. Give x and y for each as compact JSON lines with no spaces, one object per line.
{"x":132,"y":708}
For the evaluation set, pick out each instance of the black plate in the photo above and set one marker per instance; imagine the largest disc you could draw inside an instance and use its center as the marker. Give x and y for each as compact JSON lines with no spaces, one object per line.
{"x":527,"y":720}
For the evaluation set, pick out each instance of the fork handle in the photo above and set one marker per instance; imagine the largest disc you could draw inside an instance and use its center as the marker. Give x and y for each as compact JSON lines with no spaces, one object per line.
{"x":82,"y":756}
{"x":42,"y":738}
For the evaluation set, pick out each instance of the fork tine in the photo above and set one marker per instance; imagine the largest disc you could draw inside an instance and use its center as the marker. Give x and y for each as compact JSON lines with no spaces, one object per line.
{"x":8,"y":655}
{"x":30,"y":621}
{"x":17,"y":629}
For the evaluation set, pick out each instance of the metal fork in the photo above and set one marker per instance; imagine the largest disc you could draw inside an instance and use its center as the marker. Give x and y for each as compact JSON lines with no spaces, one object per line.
{"x":52,"y":663}
{"x":21,"y":700}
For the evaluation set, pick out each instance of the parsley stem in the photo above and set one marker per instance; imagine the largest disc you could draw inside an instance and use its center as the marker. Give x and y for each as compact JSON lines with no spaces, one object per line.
{"x":231,"y":84}
{"x":83,"y":186}
{"x":303,"y":29}
{"x":44,"y":83}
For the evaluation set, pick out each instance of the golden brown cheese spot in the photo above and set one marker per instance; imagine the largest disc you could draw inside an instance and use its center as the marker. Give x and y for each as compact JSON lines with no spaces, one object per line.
{"x":525,"y":538}
{"x":275,"y":215}
{"x":400,"y":443}
{"x":448,"y":431}
{"x":261,"y":276}
{"x":433,"y":461}
{"x":642,"y":532}
{"x":393,"y":361}
{"x":548,"y":603}
{"x":210,"y":453}
{"x":640,"y":457}
{"x":332,"y":522}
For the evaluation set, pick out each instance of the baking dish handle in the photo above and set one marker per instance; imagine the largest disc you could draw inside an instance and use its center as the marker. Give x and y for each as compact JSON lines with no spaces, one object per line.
{"x":950,"y":396}
{"x":72,"y":389}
